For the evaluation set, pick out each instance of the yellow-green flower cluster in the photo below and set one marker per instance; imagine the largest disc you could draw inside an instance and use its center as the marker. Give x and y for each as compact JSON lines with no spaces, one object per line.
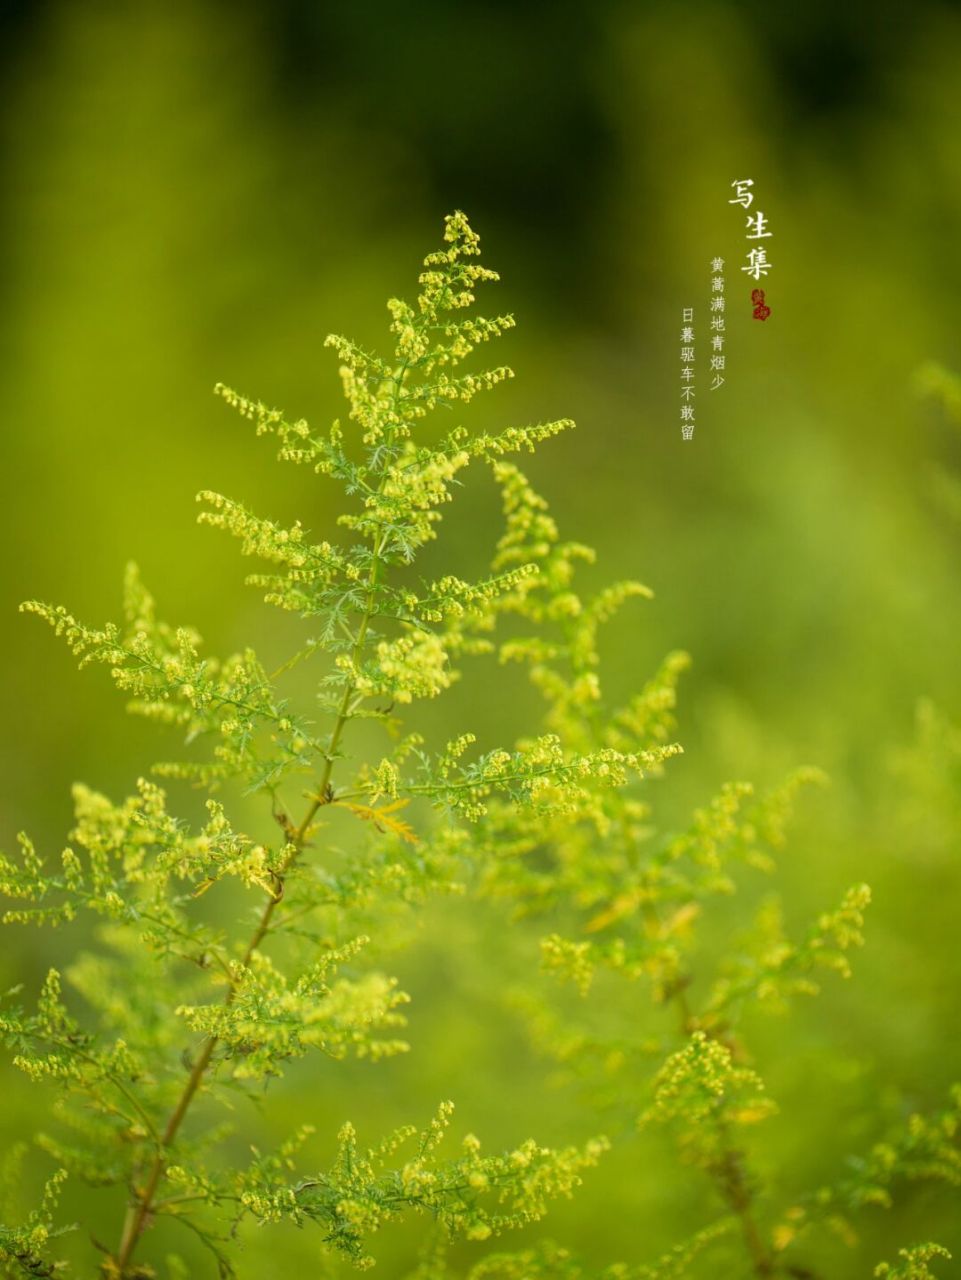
{"x":702,"y":1083}
{"x":270,"y":1020}
{"x":25,"y":1250}
{"x":914,"y":1263}
{"x":161,"y":670}
{"x":470,"y":1194}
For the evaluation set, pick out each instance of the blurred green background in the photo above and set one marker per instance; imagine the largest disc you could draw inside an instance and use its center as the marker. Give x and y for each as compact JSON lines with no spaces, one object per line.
{"x":201,"y":191}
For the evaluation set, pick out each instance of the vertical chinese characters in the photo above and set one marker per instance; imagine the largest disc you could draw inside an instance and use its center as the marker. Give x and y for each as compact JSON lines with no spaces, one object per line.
{"x":718,"y":324}
{"x":687,"y":373}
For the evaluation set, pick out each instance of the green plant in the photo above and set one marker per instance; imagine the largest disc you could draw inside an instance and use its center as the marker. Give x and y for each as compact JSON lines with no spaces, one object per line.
{"x":166,"y":975}
{"x":178,"y":1010}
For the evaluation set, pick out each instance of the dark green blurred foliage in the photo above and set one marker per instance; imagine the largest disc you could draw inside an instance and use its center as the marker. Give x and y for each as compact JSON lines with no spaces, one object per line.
{"x":196,"y":191}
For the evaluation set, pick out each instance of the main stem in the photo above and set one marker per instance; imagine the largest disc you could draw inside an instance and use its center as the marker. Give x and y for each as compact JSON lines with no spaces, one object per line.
{"x":140,"y":1209}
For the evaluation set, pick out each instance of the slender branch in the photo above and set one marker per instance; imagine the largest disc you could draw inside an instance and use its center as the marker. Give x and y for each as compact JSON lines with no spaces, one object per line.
{"x":87,"y":897}
{"x":728,"y":1171}
{"x":117,"y":1083}
{"x":733,"y":1183}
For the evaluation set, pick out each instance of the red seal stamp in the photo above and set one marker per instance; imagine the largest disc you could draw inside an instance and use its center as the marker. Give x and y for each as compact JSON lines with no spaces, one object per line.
{"x":761,"y":309}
